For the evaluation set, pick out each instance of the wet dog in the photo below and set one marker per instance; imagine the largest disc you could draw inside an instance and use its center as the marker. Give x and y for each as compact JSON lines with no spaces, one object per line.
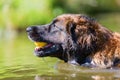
{"x":77,"y":39}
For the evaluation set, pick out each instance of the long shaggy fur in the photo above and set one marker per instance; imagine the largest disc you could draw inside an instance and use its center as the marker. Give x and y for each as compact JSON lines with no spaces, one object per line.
{"x":94,"y":42}
{"x":80,"y":39}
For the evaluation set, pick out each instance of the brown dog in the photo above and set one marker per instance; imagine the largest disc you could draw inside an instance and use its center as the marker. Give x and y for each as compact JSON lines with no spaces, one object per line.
{"x":77,"y":39}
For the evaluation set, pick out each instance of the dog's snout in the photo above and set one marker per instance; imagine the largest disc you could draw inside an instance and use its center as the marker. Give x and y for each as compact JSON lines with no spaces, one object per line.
{"x":29,"y":29}
{"x":32,"y":28}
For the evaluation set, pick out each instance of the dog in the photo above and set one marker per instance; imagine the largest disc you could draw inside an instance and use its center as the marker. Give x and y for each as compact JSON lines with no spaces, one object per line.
{"x":77,"y":39}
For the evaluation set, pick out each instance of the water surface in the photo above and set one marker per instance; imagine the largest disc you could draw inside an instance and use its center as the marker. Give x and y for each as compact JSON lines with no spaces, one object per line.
{"x":17,"y":62}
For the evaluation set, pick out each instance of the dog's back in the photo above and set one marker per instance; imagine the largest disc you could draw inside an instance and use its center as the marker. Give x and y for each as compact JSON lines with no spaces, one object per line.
{"x":109,"y":55}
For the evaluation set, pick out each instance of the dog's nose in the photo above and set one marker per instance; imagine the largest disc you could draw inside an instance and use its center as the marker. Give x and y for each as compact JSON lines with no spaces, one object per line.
{"x":29,"y":29}
{"x":32,"y":28}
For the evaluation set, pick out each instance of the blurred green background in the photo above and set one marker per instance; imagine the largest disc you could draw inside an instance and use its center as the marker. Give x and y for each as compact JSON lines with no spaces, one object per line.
{"x":17,"y":61}
{"x":19,"y":14}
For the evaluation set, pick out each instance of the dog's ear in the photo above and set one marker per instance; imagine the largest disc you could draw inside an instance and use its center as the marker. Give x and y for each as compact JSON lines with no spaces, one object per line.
{"x":90,"y":34}
{"x":87,"y":32}
{"x":71,"y":26}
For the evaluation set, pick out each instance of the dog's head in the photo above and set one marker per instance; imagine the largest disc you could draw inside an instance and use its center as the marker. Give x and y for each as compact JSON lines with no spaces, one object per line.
{"x":69,"y":36}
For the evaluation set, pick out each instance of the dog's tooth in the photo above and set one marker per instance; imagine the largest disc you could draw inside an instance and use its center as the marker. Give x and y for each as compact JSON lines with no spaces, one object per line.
{"x":37,"y":48}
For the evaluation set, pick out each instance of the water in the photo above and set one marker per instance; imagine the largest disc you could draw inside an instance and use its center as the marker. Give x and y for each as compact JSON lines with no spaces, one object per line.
{"x":17,"y":62}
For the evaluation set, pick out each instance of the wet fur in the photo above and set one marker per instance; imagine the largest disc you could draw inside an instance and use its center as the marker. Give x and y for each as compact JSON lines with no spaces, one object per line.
{"x":84,"y":40}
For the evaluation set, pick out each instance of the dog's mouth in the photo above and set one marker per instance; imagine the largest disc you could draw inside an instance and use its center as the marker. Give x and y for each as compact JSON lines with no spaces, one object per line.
{"x":44,"y":49}
{"x":44,"y":46}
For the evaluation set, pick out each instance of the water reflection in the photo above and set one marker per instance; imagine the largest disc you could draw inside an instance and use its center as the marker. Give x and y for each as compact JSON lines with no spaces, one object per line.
{"x":17,"y":62}
{"x":63,"y":77}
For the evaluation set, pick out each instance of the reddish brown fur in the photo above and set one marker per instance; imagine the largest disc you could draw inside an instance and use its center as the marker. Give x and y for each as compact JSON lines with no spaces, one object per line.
{"x":107,"y":44}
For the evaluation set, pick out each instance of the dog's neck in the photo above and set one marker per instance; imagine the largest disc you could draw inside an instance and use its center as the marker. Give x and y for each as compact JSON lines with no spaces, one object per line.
{"x":83,"y":53}
{"x":74,"y":52}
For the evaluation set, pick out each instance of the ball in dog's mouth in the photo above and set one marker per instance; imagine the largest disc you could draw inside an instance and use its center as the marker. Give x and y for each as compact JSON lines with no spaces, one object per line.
{"x":42,"y":45}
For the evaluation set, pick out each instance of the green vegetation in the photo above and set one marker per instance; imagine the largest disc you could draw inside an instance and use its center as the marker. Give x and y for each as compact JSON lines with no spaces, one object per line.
{"x":111,"y":21}
{"x":18,"y":14}
{"x":21,"y":13}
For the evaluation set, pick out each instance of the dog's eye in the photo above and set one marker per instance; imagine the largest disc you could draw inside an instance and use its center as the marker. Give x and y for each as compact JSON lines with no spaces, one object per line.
{"x":57,"y":27}
{"x":54,"y":28}
{"x":54,"y":25}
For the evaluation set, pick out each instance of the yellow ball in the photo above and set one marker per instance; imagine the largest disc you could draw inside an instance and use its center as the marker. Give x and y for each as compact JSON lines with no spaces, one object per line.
{"x":40,"y":44}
